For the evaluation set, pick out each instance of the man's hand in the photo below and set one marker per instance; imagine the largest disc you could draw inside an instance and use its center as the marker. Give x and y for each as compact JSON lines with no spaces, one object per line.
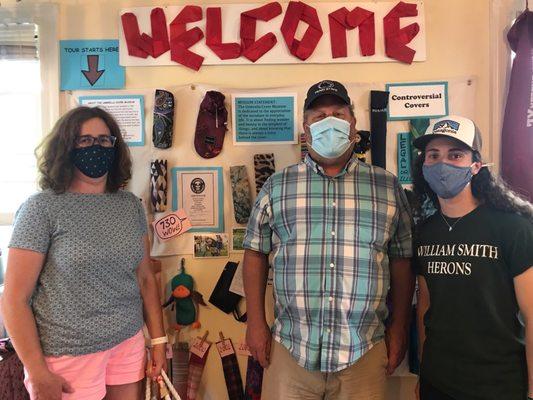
{"x":396,"y":340}
{"x":49,"y":386}
{"x":259,"y":339}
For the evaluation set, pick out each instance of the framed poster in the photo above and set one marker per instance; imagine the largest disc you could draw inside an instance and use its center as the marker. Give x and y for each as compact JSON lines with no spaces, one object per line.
{"x":199,"y":191}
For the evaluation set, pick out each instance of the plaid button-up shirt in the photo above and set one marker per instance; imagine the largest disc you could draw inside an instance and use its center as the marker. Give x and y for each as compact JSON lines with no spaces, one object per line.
{"x":331,"y":239}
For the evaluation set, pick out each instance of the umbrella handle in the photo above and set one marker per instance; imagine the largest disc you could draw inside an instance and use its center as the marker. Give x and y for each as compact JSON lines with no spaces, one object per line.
{"x":147,"y":390}
{"x":166,"y":381}
{"x":170,"y":386}
{"x":163,"y":389}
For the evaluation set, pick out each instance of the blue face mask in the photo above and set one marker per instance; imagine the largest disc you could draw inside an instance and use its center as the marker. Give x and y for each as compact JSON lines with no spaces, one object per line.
{"x":94,"y":161}
{"x":330,"y":137}
{"x":447,"y":180}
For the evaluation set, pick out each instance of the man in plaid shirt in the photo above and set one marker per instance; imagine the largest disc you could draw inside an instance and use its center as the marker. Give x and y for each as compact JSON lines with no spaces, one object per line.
{"x":339,"y":235}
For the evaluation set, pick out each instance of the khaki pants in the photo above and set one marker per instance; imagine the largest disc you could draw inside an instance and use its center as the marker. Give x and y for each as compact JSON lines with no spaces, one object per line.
{"x":284,"y":379}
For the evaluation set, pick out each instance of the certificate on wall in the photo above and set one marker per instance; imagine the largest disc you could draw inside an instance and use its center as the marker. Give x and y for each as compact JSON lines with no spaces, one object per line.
{"x":199,"y":191}
{"x":261,"y":118}
{"x":128,"y":111}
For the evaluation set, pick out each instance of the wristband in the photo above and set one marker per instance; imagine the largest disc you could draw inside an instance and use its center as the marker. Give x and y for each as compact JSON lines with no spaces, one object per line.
{"x":159,"y":340}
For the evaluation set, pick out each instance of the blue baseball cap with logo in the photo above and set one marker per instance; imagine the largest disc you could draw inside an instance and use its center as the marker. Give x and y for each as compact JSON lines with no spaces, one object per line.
{"x":459,"y":128}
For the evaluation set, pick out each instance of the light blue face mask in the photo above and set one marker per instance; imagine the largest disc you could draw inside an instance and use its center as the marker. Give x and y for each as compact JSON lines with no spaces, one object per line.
{"x":330,"y":137}
{"x":447,"y":180}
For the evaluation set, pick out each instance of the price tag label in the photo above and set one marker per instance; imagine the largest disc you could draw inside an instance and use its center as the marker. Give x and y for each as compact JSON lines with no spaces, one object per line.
{"x":169,"y":351}
{"x":225,"y":348}
{"x":200,"y":348}
{"x":243,"y":349}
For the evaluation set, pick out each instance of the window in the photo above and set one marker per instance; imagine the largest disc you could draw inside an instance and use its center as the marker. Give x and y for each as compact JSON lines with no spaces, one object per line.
{"x":29,"y":101}
{"x":20,"y":102}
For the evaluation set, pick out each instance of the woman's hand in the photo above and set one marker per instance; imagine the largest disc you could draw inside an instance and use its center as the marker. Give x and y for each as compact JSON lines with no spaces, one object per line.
{"x":49,"y":386}
{"x":158,"y":361}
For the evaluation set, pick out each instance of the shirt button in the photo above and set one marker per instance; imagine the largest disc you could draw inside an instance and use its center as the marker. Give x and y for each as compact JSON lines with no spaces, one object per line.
{"x":331,"y":265}
{"x":332,"y":233}
{"x":334,"y":204}
{"x":329,"y":330}
{"x":330,"y":298}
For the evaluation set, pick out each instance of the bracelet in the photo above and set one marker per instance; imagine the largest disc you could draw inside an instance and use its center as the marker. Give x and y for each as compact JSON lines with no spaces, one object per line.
{"x":159,"y":340}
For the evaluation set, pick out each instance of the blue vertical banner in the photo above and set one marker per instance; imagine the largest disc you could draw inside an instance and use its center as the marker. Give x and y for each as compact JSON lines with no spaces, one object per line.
{"x":90,"y":64}
{"x":404,"y":158}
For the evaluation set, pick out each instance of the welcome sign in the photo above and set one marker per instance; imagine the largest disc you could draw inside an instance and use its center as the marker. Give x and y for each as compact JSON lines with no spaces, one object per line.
{"x":272,"y":33}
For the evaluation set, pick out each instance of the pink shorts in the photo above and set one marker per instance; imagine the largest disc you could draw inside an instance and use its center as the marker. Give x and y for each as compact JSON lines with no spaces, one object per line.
{"x":90,"y":373}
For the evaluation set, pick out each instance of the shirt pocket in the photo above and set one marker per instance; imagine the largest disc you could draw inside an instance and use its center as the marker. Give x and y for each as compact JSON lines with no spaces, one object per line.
{"x":375,"y":222}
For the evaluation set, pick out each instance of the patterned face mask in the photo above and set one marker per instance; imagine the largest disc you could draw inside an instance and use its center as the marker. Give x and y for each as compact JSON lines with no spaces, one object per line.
{"x":94,"y":161}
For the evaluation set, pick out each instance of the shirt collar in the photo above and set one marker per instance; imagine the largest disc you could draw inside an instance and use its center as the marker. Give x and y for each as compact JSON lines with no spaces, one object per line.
{"x":349,"y":168}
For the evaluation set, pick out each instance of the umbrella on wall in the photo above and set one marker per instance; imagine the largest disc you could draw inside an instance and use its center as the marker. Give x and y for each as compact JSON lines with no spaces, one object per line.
{"x":232,"y":374}
{"x":517,"y":133}
{"x":199,"y":352}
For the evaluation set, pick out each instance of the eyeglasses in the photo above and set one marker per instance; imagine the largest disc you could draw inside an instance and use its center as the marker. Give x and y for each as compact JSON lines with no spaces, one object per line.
{"x":103,"y":140}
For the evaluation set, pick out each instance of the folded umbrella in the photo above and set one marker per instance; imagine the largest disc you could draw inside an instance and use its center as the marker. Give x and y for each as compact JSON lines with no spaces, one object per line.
{"x":199,"y":352}
{"x":232,"y":374}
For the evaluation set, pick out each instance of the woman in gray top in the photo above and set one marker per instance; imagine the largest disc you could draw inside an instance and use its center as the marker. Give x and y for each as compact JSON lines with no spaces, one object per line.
{"x":78,"y":272}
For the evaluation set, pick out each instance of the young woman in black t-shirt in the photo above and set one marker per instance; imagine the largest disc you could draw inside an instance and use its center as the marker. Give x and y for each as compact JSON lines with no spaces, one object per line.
{"x":474,"y":256}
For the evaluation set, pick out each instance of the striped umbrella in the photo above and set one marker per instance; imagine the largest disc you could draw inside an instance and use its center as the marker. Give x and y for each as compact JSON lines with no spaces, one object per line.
{"x":199,"y":351}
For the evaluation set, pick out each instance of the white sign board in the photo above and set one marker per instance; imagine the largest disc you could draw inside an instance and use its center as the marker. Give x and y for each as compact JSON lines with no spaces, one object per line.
{"x":417,"y":100}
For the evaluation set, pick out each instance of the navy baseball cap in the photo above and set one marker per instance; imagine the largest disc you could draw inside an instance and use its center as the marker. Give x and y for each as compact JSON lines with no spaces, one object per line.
{"x":323,"y":88}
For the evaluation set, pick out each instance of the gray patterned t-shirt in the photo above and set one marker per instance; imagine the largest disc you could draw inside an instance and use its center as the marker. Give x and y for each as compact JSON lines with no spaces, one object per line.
{"x":87,"y":297}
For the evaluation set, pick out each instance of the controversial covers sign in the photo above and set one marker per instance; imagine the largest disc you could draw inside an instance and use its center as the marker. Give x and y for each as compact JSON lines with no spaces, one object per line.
{"x":272,"y":33}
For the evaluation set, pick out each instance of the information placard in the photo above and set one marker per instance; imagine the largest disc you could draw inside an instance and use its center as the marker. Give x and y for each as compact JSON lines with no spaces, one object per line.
{"x":128,"y":111}
{"x":264,"y":118}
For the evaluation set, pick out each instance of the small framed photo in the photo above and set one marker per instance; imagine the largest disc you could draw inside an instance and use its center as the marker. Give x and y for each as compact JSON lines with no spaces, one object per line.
{"x":211,"y":245}
{"x":237,"y":238}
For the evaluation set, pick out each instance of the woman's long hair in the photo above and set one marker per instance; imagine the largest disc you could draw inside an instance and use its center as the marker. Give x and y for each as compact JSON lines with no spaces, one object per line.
{"x":486,"y":188}
{"x":54,"y":160}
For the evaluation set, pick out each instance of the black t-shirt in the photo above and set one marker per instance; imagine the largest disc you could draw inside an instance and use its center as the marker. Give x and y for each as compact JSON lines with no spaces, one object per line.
{"x":474,"y":345}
